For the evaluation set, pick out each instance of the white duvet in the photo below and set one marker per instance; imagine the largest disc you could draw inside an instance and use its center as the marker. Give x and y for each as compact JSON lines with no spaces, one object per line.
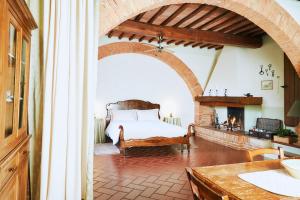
{"x":143,"y":130}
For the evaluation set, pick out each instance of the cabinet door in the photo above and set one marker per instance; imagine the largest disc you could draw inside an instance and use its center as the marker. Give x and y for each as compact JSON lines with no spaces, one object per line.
{"x":10,"y":191}
{"x":23,"y":177}
{"x":10,"y":82}
{"x":23,"y":86}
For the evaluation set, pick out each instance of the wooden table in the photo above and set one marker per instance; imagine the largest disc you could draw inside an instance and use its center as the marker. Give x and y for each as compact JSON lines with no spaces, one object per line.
{"x":225,"y":178}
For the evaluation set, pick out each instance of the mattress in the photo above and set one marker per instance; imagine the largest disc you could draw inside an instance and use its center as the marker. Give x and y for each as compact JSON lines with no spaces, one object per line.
{"x":143,"y":130}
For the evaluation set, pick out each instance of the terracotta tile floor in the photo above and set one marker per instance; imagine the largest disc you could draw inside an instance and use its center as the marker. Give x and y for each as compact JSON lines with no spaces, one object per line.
{"x":156,"y":173}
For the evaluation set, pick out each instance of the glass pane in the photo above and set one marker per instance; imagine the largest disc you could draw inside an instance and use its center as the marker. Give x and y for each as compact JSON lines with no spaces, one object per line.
{"x":22,"y":82}
{"x":10,"y":85}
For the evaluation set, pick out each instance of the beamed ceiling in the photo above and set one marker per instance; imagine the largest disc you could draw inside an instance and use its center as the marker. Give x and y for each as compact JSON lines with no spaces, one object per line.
{"x":196,"y":25}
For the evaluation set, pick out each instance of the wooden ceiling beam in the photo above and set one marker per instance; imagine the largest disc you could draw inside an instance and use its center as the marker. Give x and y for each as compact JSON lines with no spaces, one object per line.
{"x":141,"y":38}
{"x":258,"y":33}
{"x":188,"y":44}
{"x":170,"y":41}
{"x":151,"y":40}
{"x":249,"y":32}
{"x":226,"y":23}
{"x":157,"y":14}
{"x":242,"y":29}
{"x":214,"y":20}
{"x":139,"y":17}
{"x":219,"y":47}
{"x":195,"y":45}
{"x":213,"y":46}
{"x":132,"y":37}
{"x":204,"y":45}
{"x":199,"y":36}
{"x":197,"y":21}
{"x":191,"y":15}
{"x":121,"y":36}
{"x":154,"y":17}
{"x":235,"y":26}
{"x":179,"y":42}
{"x":110,"y":34}
{"x":175,"y":14}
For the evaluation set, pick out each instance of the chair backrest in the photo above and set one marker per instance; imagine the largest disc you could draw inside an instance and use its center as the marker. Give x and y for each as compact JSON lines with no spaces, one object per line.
{"x":253,"y":153}
{"x":200,"y":190}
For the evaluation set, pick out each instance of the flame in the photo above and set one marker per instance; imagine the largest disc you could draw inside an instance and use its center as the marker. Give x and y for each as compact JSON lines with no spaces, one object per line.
{"x":233,"y":120}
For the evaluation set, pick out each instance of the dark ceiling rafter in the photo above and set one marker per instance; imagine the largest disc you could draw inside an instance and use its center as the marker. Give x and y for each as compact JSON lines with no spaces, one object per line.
{"x":218,"y":18}
{"x":226,"y":23}
{"x":195,"y":45}
{"x":171,"y":41}
{"x":197,"y":21}
{"x":175,"y":14}
{"x":191,"y":15}
{"x":249,"y":32}
{"x":188,"y":44}
{"x":235,"y":26}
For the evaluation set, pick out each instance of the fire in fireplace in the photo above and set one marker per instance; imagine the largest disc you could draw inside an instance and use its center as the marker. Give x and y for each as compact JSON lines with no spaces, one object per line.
{"x":235,"y":118}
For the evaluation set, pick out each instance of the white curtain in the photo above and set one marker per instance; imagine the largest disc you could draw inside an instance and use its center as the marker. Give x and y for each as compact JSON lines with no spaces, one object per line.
{"x":70,"y":57}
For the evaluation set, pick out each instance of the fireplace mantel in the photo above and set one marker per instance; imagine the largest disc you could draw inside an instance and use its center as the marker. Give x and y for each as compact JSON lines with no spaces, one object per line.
{"x":229,"y":101}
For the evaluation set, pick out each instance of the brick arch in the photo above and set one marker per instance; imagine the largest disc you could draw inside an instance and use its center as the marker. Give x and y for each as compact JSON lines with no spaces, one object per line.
{"x":168,"y":58}
{"x":268,"y":15}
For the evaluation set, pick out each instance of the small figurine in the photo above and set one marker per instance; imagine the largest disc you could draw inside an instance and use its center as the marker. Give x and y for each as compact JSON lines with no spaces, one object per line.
{"x":261,"y":70}
{"x":225,"y":93}
{"x":209,"y":93}
{"x":216,"y":93}
{"x":273,"y":73}
{"x":269,"y":65}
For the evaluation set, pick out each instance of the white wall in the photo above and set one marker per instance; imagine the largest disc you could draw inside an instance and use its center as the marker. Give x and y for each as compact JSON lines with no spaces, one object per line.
{"x":237,"y":70}
{"x":134,"y":76}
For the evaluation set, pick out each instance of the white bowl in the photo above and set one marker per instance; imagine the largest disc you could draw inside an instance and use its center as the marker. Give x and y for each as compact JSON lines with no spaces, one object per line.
{"x":292,"y":166}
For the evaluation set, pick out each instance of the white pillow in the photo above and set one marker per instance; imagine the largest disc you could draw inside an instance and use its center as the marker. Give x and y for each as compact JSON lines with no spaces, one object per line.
{"x":124,"y":115}
{"x":147,"y":115}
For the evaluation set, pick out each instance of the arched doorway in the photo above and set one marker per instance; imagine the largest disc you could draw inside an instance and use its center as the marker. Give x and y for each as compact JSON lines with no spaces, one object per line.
{"x":269,"y":15}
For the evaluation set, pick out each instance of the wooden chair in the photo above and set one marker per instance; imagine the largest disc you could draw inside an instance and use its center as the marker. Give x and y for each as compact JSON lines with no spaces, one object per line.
{"x":253,"y":153}
{"x":202,"y":191}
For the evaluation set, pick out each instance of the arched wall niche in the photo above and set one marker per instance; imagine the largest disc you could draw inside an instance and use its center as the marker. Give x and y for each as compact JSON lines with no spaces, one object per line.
{"x":171,"y":60}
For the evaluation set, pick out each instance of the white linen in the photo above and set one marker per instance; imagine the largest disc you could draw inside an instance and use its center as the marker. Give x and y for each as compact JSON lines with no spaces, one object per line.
{"x":124,"y":115}
{"x":147,"y":115}
{"x":143,"y":130}
{"x":276,"y":181}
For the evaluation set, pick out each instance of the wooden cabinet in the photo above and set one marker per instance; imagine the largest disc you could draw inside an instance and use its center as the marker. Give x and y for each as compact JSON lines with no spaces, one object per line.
{"x":16,"y":24}
{"x":291,"y":90}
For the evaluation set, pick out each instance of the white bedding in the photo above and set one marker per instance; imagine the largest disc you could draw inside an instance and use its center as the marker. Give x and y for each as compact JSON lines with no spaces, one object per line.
{"x":143,"y":130}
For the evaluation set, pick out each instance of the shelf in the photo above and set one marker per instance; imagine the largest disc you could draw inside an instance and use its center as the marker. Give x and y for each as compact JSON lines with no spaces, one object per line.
{"x":228,"y":101}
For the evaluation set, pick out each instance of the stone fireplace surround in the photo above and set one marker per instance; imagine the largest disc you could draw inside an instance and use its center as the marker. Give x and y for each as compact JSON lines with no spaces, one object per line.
{"x":237,"y":140}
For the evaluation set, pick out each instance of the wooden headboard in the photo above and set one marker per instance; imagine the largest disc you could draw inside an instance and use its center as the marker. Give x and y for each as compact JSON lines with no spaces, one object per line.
{"x":129,"y":105}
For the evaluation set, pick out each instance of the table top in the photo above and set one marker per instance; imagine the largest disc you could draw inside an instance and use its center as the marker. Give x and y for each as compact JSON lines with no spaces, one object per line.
{"x":225,"y":178}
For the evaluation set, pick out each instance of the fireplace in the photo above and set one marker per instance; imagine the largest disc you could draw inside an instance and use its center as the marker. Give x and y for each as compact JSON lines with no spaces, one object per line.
{"x":235,"y":116}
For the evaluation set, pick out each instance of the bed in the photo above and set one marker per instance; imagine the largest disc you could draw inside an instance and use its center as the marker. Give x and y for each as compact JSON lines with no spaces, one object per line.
{"x":145,"y":132}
